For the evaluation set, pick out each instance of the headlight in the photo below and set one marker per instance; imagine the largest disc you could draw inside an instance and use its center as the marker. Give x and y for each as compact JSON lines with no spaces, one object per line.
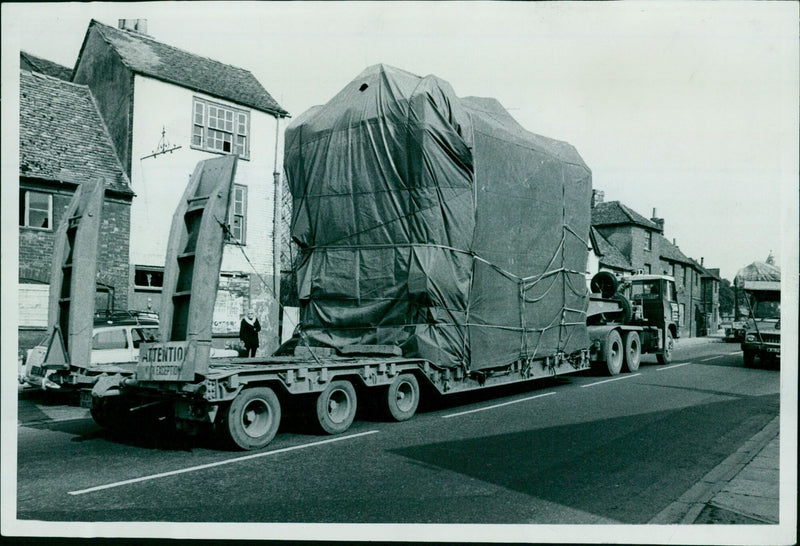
{"x":750,"y":338}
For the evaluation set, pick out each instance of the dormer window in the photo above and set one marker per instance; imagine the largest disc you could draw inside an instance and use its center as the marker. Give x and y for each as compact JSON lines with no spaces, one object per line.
{"x":222,"y":129}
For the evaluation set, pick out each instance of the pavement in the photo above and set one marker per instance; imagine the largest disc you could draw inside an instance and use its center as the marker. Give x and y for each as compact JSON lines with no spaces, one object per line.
{"x":742,"y":489}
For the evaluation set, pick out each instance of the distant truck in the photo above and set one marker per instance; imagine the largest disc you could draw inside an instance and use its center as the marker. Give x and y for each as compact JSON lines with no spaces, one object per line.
{"x":761,"y":286}
{"x":443,"y":250}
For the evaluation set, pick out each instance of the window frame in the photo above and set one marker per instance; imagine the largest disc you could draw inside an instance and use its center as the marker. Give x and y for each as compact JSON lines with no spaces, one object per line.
{"x":110,"y":332}
{"x":242,"y":240}
{"x":147,"y":269}
{"x":202,"y":127}
{"x":648,"y":241}
{"x":27,"y":209}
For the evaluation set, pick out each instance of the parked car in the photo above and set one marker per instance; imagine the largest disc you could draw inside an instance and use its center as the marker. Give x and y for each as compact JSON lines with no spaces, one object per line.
{"x":734,"y":330}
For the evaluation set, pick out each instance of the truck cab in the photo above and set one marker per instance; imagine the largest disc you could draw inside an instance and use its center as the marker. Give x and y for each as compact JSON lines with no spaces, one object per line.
{"x":762,"y":335}
{"x":655,"y":296}
{"x":655,"y":307}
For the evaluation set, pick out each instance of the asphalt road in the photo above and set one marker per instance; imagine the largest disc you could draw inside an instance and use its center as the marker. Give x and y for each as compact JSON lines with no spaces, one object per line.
{"x":574,"y":449}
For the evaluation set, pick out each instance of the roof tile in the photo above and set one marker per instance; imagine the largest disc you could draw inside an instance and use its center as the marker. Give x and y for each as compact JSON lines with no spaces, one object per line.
{"x":615,"y":213}
{"x":62,"y":136}
{"x":611,"y":256}
{"x":144,"y":55}
{"x":37,"y":64}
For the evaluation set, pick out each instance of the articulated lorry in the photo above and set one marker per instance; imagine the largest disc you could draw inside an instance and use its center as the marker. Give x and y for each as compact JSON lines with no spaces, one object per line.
{"x":443,"y":248}
{"x":760,"y":283}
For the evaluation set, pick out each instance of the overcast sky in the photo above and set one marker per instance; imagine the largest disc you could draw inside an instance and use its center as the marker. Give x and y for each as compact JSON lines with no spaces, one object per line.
{"x":689,"y":108}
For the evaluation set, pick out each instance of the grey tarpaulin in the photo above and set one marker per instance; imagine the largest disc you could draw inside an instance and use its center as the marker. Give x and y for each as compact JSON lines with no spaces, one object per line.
{"x":437,"y":224}
{"x":758,"y":271}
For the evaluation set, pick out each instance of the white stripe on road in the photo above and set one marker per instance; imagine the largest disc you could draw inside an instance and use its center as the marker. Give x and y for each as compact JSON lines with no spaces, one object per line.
{"x":607,"y":380}
{"x":219,"y":463}
{"x":721,"y":356}
{"x":496,"y":405}
{"x":674,"y":366}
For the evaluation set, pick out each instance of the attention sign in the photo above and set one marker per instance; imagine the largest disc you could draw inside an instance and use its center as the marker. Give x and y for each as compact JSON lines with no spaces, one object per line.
{"x":163,"y":361}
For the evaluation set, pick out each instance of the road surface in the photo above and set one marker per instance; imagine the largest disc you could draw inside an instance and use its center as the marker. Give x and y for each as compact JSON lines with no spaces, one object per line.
{"x":581,"y":448}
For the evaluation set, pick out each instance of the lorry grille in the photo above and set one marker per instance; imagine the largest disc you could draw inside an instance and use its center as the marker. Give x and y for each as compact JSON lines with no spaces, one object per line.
{"x":771,"y":338}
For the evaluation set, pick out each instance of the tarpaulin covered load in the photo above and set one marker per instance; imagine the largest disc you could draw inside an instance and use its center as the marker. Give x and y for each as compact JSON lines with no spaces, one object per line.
{"x":758,"y":276}
{"x":758,"y":271}
{"x":437,"y":224}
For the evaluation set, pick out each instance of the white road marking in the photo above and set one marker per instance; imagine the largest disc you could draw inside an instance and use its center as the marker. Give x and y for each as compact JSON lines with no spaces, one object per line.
{"x":674,"y":366}
{"x":218,"y":463}
{"x":713,"y":358}
{"x":736,"y":353}
{"x":613,"y":379}
{"x":497,"y":405}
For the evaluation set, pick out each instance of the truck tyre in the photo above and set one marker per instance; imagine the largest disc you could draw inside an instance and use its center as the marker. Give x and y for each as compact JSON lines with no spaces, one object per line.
{"x":110,"y":413}
{"x":336,"y":407}
{"x":252,"y":419}
{"x":402,"y":397}
{"x":633,"y":351}
{"x":100,"y":412}
{"x":626,"y":311}
{"x":665,"y":357}
{"x":613,"y":351}
{"x":604,"y":283}
{"x":749,"y":358}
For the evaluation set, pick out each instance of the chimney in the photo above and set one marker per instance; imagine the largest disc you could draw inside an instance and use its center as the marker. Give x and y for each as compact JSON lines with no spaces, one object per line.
{"x":597,"y":197}
{"x":657,"y":221}
{"x":702,"y":261}
{"x":134,"y":25}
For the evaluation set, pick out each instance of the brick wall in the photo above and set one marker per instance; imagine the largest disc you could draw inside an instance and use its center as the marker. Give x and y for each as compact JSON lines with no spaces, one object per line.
{"x":113,"y":249}
{"x":36,"y":245}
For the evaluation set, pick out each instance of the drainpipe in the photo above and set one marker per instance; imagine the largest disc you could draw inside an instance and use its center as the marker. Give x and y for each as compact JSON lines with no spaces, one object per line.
{"x":691,"y":306}
{"x":276,"y":219}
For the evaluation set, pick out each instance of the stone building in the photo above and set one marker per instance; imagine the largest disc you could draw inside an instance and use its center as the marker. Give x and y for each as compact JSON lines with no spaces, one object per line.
{"x":166,"y":110}
{"x":63,"y":143}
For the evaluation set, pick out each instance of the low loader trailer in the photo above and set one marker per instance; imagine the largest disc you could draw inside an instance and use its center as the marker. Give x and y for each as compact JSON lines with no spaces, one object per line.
{"x":242,"y":398}
{"x":443,"y":249}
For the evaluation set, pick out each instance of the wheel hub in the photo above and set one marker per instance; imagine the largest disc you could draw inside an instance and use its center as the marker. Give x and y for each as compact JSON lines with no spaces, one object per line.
{"x":256,"y":418}
{"x":338,"y":406}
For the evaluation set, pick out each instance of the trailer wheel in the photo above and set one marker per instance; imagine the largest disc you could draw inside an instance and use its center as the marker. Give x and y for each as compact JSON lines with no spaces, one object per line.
{"x":252,"y":419}
{"x":665,"y":357}
{"x":633,"y":351}
{"x":100,"y":412}
{"x":402,"y":397}
{"x":110,"y":413}
{"x":613,"y":352}
{"x":336,"y":407}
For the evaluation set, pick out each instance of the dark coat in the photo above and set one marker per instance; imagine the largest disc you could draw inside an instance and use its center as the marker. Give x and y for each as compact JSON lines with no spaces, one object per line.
{"x":249,"y":334}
